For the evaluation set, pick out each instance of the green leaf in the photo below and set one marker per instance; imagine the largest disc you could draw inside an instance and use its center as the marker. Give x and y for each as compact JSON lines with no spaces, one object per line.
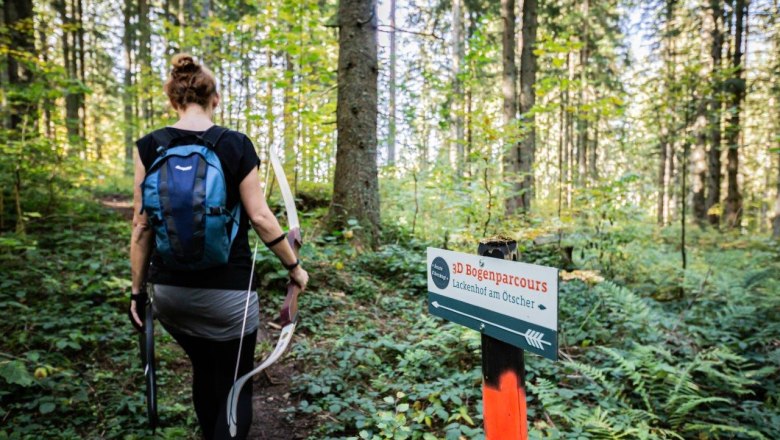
{"x":14,"y":372}
{"x":47,"y":407}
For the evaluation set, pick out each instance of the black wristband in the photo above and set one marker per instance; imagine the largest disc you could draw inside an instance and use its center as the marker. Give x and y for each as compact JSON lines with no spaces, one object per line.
{"x":292,"y":266}
{"x":275,"y":241}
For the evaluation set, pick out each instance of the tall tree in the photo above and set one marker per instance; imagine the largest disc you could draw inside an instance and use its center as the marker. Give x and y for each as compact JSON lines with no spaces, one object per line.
{"x":736,"y":88}
{"x":699,"y":164}
{"x":776,"y":219}
{"x":582,"y":113}
{"x":145,"y":64}
{"x":527,"y":150}
{"x":18,"y":17}
{"x":456,"y":107}
{"x":128,"y":41}
{"x":776,"y":111}
{"x":667,"y":116}
{"x":392,"y":112}
{"x":715,"y":104}
{"x":356,"y":183}
{"x":73,"y":94}
{"x":509,"y":90}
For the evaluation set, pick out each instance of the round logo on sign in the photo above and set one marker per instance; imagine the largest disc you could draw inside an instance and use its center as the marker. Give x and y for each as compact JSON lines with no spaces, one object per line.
{"x":440,"y":272}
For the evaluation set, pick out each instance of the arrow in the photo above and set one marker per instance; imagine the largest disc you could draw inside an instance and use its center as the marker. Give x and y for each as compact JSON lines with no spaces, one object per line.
{"x":532,"y":337}
{"x":542,"y":307}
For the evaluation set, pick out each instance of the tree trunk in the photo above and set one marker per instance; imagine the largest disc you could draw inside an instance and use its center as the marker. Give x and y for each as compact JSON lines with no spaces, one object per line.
{"x":663,"y":180}
{"x":18,"y":17}
{"x":456,"y":108}
{"x":82,"y":75}
{"x":776,"y":219}
{"x":776,"y":84}
{"x":71,"y":99}
{"x":181,"y":19}
{"x":391,"y":117}
{"x":288,"y":135}
{"x":527,"y":149}
{"x":509,"y":90}
{"x":128,"y":92}
{"x":582,"y":117}
{"x":561,"y":136}
{"x":270,"y":118}
{"x":699,"y":165}
{"x":355,"y":184}
{"x":569,"y":133}
{"x":145,"y":63}
{"x":733,"y":205}
{"x":48,"y":103}
{"x":593,"y":172}
{"x":713,"y":156}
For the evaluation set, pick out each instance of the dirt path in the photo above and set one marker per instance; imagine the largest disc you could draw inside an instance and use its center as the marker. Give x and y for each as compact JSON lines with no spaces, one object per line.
{"x":272,"y":395}
{"x":119,"y":203}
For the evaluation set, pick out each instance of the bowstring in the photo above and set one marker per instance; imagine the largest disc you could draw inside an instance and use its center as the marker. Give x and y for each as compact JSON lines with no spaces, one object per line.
{"x":249,"y":288}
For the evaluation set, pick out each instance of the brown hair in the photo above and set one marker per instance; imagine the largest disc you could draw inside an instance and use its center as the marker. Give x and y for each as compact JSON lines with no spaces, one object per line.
{"x":189,"y":82}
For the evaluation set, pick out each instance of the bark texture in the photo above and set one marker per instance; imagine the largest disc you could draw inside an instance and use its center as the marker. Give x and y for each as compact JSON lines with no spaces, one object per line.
{"x":509,"y":90}
{"x":391,"y":120}
{"x":355,"y":184}
{"x":456,"y":107}
{"x":713,"y":156}
{"x":776,"y":219}
{"x":699,"y":166}
{"x":18,"y":17}
{"x":527,"y":149}
{"x":736,"y":87}
{"x":128,"y":40}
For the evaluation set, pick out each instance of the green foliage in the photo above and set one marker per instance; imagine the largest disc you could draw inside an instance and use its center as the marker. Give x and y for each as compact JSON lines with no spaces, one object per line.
{"x":69,"y":363}
{"x":632,"y":367}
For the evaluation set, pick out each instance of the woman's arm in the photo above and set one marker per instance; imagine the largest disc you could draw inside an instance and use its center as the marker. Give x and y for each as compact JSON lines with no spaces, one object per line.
{"x":267,"y":226}
{"x":141,"y":240}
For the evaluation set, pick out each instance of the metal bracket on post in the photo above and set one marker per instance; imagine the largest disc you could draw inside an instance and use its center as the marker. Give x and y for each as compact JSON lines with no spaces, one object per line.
{"x":503,"y":369}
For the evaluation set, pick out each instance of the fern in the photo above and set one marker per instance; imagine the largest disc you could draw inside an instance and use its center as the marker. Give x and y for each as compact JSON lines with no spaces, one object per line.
{"x":629,"y":368}
{"x":710,"y":428}
{"x":683,"y":410}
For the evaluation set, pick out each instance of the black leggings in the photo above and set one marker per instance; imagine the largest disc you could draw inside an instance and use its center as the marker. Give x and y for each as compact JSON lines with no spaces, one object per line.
{"x":213,"y":365}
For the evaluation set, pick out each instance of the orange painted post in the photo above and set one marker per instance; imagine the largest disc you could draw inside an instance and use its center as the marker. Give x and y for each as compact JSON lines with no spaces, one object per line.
{"x":503,"y":370}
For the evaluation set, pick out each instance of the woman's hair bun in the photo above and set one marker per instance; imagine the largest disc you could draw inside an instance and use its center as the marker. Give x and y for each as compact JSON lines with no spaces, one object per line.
{"x":189,"y":83}
{"x":184,"y":63}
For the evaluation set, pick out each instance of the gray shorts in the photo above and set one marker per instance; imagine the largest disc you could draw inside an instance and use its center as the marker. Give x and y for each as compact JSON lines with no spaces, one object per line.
{"x":214,"y":314}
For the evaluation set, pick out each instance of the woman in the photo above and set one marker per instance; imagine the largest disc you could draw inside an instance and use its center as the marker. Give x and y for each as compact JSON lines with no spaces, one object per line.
{"x":204,"y":310}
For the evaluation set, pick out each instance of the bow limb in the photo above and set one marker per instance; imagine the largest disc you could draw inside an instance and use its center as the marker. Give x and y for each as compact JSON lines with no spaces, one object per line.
{"x":289,"y":313}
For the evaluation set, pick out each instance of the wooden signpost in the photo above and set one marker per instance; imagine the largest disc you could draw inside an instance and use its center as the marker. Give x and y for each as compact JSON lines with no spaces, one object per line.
{"x":515,"y":307}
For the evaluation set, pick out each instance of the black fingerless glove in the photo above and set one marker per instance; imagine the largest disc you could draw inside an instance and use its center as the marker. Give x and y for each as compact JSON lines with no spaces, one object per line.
{"x":140,"y":307}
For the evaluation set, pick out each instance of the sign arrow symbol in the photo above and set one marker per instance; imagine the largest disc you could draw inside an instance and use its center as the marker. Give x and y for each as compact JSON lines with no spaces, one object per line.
{"x":542,"y":307}
{"x":532,"y":337}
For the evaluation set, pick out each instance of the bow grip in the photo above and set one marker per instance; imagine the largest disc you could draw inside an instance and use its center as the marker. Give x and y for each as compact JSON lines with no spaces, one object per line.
{"x":289,"y":311}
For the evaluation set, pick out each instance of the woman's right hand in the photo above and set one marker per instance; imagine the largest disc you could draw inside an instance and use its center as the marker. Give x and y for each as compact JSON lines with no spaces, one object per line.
{"x":299,"y":277}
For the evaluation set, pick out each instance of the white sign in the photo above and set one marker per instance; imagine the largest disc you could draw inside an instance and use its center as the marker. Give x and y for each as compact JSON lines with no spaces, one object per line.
{"x":512,"y":301}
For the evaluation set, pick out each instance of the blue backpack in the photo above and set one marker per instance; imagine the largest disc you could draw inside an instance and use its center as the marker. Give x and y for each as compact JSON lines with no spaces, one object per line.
{"x":185,"y":197}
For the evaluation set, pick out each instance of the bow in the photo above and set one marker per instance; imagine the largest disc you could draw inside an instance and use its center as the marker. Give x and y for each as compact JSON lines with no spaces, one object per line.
{"x":146,"y":339}
{"x":289,"y":313}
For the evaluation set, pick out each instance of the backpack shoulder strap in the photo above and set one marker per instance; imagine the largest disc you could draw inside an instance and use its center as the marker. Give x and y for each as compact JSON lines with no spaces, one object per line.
{"x":162,"y":137}
{"x":212,"y":136}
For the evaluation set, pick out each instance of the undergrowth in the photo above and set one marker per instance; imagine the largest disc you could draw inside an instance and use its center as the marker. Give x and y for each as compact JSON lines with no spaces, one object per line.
{"x":653,"y":352}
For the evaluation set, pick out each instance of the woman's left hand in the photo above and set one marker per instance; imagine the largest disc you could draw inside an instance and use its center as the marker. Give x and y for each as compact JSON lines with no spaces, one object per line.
{"x":299,"y":277}
{"x":134,"y":312}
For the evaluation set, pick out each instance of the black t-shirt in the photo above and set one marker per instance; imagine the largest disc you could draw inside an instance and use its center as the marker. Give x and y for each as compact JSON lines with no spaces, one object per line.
{"x":238,"y":157}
